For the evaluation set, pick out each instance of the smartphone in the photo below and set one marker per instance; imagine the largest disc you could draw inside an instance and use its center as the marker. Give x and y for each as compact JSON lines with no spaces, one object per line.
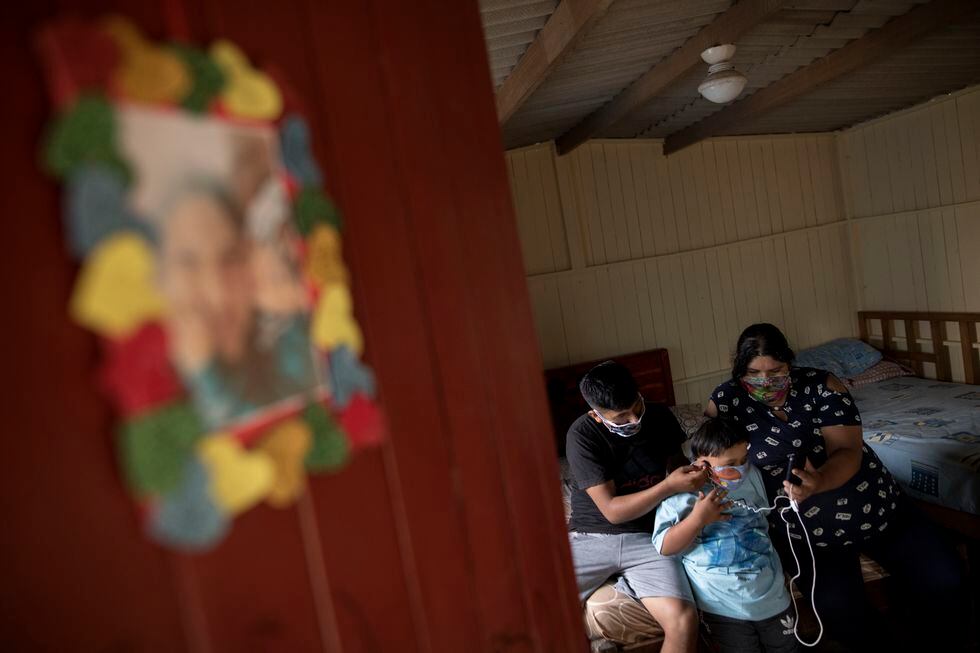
{"x":791,"y":464}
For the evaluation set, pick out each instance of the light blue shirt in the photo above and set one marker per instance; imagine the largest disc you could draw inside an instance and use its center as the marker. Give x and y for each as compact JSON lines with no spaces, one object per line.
{"x":733,"y":568}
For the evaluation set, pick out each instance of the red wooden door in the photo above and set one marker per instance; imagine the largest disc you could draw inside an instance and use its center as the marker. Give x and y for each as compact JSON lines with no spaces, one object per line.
{"x":449,"y":537}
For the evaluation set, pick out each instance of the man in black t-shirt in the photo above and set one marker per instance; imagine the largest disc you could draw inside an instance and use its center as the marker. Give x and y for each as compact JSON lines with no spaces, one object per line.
{"x":619,"y":454}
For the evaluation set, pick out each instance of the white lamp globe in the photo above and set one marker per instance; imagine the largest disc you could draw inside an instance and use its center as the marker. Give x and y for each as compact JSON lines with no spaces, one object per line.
{"x":723,"y":83}
{"x":718,"y":54}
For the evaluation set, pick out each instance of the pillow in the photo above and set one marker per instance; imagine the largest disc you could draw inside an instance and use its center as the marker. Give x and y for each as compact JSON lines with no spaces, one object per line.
{"x":844,"y":357}
{"x":881,"y":371}
{"x":689,"y":416}
{"x":612,"y":615}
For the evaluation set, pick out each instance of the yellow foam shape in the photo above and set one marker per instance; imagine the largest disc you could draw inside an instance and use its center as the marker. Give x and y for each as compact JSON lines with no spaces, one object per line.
{"x":115,"y":293}
{"x":248,"y":93}
{"x":333,"y":321}
{"x":239,"y":478}
{"x":126,"y":35}
{"x":287,"y":445}
{"x":324,"y":263}
{"x":229,"y":57}
{"x":147,"y":73}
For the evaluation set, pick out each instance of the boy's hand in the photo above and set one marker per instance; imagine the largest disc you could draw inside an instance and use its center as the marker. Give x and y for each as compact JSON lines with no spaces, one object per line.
{"x":708,"y":509}
{"x":688,"y":478}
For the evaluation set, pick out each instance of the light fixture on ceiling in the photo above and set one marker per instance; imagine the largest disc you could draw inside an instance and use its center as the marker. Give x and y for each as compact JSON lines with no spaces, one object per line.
{"x":723,"y":83}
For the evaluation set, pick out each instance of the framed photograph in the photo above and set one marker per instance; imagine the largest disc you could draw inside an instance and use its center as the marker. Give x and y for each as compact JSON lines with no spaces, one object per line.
{"x":211,"y":271}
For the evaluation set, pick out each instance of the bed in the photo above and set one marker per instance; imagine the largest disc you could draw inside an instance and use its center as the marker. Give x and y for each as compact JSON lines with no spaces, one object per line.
{"x":927,"y":431}
{"x":613,"y":620}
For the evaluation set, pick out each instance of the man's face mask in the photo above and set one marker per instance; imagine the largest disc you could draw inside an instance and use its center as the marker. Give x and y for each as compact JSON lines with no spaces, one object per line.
{"x":624,"y":430}
{"x":729,"y":476}
{"x":767,"y":389}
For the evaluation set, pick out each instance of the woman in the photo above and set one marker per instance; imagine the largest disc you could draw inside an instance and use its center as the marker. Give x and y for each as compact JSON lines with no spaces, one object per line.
{"x":848,"y":501}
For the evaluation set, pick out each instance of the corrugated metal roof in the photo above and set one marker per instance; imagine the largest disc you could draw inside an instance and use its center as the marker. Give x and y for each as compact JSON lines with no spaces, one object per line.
{"x":804,"y":37}
{"x":509,"y":26}
{"x":634,"y":35}
{"x":939,"y":63}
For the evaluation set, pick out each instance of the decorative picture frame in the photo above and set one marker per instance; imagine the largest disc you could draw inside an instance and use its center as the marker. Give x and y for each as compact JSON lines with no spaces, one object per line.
{"x":211,"y":272}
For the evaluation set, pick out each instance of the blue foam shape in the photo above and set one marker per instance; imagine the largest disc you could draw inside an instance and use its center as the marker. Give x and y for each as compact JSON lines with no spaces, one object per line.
{"x":96,"y":208}
{"x":188,"y":517}
{"x":297,"y":154}
{"x":348,"y":376}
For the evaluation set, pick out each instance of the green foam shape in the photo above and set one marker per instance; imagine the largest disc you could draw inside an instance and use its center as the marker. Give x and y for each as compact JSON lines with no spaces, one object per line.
{"x":84,"y":134}
{"x":330,"y":448}
{"x":156,"y":446}
{"x":207,"y":80}
{"x":313,"y":207}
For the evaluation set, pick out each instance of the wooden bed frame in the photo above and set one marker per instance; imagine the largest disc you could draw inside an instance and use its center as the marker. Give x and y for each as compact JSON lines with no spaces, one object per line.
{"x":912,"y":355}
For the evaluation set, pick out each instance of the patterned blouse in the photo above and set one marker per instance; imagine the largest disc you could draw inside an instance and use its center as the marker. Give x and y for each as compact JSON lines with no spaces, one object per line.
{"x":855,"y":511}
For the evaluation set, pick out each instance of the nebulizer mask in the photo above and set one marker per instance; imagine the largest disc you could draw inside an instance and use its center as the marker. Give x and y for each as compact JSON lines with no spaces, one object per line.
{"x":728,"y":477}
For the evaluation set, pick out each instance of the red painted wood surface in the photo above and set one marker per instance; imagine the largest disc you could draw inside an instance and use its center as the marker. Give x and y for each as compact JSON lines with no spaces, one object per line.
{"x":449,"y":537}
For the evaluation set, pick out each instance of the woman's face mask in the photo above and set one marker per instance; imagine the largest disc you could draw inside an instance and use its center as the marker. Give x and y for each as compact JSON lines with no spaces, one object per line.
{"x":624,"y":430}
{"x":767,"y":389}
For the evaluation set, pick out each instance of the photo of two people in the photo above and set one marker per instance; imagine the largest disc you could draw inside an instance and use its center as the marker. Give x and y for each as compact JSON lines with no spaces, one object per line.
{"x":226,"y":259}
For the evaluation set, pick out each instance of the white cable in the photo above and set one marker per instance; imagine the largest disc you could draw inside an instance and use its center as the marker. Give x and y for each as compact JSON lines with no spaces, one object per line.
{"x":799,"y":572}
{"x":742,"y":504}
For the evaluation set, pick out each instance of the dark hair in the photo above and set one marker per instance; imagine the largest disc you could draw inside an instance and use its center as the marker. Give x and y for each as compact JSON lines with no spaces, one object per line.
{"x":609,"y":386}
{"x":714,"y":437}
{"x":760,"y":340}
{"x":208,"y":188}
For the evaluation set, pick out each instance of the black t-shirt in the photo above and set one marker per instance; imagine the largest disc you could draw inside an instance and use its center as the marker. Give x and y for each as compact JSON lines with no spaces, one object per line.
{"x":633,"y":463}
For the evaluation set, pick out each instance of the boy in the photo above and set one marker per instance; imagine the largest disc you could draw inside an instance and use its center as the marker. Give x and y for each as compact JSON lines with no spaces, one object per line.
{"x":618,"y":454}
{"x":725,"y":548}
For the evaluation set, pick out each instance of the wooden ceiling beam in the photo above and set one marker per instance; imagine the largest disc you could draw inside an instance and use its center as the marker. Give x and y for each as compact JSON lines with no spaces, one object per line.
{"x":571,"y":20}
{"x":727,"y":28}
{"x":892,"y":36}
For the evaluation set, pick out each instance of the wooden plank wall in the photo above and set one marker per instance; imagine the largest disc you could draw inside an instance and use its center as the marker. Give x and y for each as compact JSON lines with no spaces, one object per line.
{"x":911,"y":185}
{"x":626,"y":249}
{"x":449,"y":536}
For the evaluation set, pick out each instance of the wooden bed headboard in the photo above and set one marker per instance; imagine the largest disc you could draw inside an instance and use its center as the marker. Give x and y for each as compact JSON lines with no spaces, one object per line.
{"x":651,"y":369}
{"x":913,"y":354}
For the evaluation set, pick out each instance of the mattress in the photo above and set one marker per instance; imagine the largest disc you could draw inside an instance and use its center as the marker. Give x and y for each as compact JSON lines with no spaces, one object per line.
{"x":928,"y":435}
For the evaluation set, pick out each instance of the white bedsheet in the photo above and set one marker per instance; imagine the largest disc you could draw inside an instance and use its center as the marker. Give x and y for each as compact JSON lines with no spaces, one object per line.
{"x":928,"y":435}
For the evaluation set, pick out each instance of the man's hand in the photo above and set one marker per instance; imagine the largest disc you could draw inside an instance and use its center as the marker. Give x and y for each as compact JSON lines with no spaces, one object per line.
{"x":689,"y":478}
{"x":812,"y":484}
{"x":708,"y":509}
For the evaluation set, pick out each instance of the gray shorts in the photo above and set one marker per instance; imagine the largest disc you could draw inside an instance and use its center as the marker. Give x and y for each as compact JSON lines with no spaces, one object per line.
{"x":631,"y":558}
